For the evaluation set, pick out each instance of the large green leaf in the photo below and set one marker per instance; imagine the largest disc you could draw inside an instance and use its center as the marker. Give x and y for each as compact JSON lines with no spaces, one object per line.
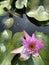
{"x":16,"y":39}
{"x":38,"y":60}
{"x":39,"y":14}
{"x":44,"y":52}
{"x":39,"y":10}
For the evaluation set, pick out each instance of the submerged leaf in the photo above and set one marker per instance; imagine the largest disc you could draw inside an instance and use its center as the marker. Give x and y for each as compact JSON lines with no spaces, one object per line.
{"x":8,"y":22}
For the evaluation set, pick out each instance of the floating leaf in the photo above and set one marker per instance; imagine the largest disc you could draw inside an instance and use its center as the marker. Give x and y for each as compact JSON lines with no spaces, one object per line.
{"x":16,"y":39}
{"x":1,"y":11}
{"x":21,"y":3}
{"x":3,"y":4}
{"x":38,"y":12}
{"x":38,"y":60}
{"x":32,"y":4}
{"x":8,"y":22}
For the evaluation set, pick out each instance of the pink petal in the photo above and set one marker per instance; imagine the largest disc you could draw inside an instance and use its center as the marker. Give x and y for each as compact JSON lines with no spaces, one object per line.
{"x":33,"y":37}
{"x":22,"y":39}
{"x":26,"y":35}
{"x":18,"y":50}
{"x":36,"y":53}
{"x":23,"y":56}
{"x":39,"y":44}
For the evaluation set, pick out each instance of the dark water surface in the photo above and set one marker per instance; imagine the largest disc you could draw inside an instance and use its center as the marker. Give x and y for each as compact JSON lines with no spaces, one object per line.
{"x":21,"y":24}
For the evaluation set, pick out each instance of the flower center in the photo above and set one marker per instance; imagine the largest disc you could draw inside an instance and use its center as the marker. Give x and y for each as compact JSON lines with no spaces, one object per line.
{"x":31,"y":45}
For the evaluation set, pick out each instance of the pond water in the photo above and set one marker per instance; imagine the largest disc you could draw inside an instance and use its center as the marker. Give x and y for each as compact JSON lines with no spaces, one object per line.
{"x":21,"y":24}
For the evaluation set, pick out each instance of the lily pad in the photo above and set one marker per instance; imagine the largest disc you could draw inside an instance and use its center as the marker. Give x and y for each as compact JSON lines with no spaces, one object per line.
{"x":16,"y":39}
{"x":38,"y":9}
{"x":5,"y":3}
{"x":21,"y":3}
{"x":40,"y":14}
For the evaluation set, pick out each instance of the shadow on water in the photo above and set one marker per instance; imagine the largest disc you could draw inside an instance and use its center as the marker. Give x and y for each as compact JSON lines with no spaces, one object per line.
{"x":18,"y":62}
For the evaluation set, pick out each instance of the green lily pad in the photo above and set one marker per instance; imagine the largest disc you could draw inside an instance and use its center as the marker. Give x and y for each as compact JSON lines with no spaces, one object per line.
{"x":39,"y":14}
{"x":21,"y":3}
{"x":38,"y":10}
{"x":38,"y":60}
{"x":5,"y":3}
{"x":16,"y":39}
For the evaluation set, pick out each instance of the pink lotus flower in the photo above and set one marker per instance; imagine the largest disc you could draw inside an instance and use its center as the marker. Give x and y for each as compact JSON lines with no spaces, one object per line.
{"x":31,"y":45}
